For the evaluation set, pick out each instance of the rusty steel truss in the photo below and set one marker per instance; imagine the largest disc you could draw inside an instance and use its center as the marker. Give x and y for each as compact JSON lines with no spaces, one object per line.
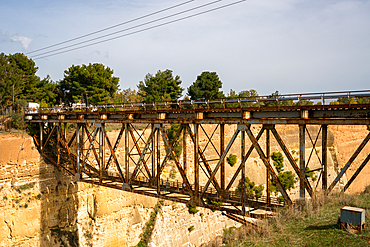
{"x":77,"y":142}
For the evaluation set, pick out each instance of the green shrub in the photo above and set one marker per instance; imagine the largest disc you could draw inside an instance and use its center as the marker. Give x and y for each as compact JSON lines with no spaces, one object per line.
{"x":286,"y":178}
{"x":251,"y":190}
{"x":192,"y":209}
{"x":191,"y":228}
{"x":278,"y":159}
{"x":231,"y":160}
{"x":216,"y":203}
{"x":17,"y":120}
{"x":26,"y":186}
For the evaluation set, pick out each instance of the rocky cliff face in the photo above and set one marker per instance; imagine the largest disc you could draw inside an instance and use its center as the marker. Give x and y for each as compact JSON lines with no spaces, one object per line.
{"x":41,"y":206}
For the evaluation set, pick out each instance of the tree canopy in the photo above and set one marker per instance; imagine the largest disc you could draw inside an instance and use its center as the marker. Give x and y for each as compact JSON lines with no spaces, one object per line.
{"x":18,"y":71}
{"x":206,"y":86}
{"x":127,"y":96}
{"x":46,"y":92}
{"x":163,"y":86}
{"x":90,"y":84}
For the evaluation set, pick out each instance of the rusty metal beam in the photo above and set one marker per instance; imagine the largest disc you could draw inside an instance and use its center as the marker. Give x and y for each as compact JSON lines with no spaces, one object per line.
{"x":168,"y":155}
{"x":88,"y":134}
{"x":77,"y":133}
{"x":169,"y":149}
{"x":58,"y":142}
{"x":142,"y":155}
{"x":290,"y":158}
{"x":220,"y":161}
{"x":48,"y":138}
{"x":324,"y":157}
{"x":118,"y":140}
{"x":159,"y":172}
{"x":242,"y":153}
{"x":302,"y":165}
{"x":196,"y":160}
{"x":139,"y":152}
{"x":89,"y":149}
{"x":41,"y":136}
{"x":348,"y":164}
{"x":127,"y":151}
{"x":184,"y":151}
{"x":204,"y":160}
{"x":267,"y":172}
{"x":112,"y":150}
{"x":222,"y":149}
{"x":313,"y":146}
{"x":244,"y":159}
{"x":359,"y":169}
{"x":56,"y":164}
{"x":64,"y":142}
{"x":270,"y":169}
{"x":209,"y":138}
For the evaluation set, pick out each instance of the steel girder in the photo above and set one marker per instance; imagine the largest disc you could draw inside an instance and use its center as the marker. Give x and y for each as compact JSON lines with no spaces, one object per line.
{"x":140,"y":159}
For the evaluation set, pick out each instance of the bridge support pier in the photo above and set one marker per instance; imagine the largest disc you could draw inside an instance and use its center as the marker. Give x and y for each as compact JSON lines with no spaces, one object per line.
{"x":302,"y":158}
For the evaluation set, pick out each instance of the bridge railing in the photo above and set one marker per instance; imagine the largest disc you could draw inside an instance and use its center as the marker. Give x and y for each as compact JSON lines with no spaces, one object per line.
{"x":254,"y":101}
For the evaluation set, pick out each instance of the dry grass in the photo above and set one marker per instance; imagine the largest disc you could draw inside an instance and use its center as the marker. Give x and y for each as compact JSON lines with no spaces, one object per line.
{"x":307,"y":223}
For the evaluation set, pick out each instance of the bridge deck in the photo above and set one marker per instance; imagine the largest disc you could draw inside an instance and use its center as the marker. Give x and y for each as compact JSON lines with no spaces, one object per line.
{"x":316,"y":114}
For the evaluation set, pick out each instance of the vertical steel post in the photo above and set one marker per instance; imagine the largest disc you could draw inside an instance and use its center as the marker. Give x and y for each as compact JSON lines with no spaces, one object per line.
{"x":41,"y":135}
{"x":158,"y":159}
{"x":99,"y":127}
{"x":196,"y":159}
{"x":78,"y":151}
{"x":82,"y":147}
{"x":302,"y":165}
{"x":184,"y":149}
{"x":102,"y":160}
{"x":222,"y":149}
{"x":267,"y":172}
{"x":324,"y":157}
{"x":243,"y":170}
{"x":127,"y":145}
{"x":58,"y":142}
{"x":153,"y":154}
{"x":65,"y":130}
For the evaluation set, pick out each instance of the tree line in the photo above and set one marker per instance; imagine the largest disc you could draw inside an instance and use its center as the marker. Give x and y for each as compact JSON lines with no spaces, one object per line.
{"x":95,"y":84}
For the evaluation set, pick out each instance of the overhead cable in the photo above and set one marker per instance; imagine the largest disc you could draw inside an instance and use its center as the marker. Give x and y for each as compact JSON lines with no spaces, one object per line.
{"x":144,"y":29}
{"x":130,"y":28}
{"x":111,"y":27}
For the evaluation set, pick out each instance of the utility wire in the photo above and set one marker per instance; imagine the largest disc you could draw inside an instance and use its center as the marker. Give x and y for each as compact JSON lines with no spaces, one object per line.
{"x":123,"y":30}
{"x":145,"y":29}
{"x":111,"y":27}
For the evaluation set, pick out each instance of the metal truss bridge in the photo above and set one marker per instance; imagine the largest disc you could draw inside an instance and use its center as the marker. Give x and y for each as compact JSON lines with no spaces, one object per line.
{"x":76,"y":140}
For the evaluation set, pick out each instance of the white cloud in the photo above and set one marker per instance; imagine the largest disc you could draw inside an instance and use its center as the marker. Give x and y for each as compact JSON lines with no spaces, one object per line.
{"x":24,"y":40}
{"x":6,"y":37}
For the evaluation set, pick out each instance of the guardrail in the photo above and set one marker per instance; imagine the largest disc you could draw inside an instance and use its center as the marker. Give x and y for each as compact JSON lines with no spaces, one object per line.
{"x":254,"y":101}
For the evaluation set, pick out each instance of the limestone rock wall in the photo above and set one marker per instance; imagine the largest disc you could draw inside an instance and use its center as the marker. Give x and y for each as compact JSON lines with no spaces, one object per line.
{"x":41,"y":206}
{"x":176,"y":227}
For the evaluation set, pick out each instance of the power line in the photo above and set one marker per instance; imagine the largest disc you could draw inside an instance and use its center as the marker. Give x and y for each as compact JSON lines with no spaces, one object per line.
{"x":144,"y":29}
{"x":111,"y":27}
{"x":120,"y":31}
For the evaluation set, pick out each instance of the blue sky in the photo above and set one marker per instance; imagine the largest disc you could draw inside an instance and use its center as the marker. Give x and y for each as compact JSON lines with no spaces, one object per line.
{"x":293,"y":46}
